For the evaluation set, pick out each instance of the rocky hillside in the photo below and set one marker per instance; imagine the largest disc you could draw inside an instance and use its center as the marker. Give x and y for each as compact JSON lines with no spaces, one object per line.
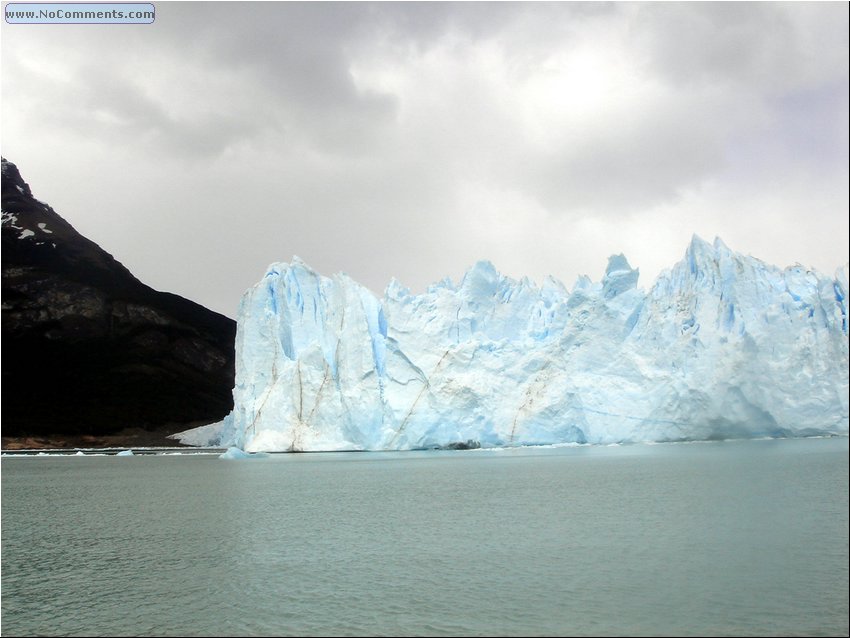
{"x":89,"y":349}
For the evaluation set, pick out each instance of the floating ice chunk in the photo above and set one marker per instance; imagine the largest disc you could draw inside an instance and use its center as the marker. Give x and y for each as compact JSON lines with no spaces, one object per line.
{"x":125,"y":453}
{"x":234,"y":453}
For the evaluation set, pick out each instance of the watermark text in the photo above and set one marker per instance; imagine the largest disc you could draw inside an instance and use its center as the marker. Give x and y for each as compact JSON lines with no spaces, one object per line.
{"x":80,"y":13}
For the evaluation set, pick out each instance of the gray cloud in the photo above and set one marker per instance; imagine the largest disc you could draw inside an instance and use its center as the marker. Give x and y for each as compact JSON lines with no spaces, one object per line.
{"x":768,"y":48}
{"x":411,"y":139}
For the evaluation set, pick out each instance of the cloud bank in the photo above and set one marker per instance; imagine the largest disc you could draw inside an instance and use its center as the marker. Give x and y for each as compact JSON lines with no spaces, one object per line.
{"x":412,"y":139}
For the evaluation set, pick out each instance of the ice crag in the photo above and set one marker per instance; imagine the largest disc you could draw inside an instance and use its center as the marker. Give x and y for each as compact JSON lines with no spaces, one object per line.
{"x":721,"y":346}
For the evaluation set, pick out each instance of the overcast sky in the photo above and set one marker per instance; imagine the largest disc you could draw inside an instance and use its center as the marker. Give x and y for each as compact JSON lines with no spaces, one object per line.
{"x":410,"y":140}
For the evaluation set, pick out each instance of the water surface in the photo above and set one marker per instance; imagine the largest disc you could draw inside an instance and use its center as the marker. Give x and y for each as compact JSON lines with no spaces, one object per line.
{"x":745,"y":538}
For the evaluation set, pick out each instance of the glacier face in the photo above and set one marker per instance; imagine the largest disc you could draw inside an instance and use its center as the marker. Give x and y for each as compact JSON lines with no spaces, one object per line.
{"x":721,"y":346}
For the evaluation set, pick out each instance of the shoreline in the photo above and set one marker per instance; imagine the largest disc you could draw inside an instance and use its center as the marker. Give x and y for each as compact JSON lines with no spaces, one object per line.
{"x":126,"y":438}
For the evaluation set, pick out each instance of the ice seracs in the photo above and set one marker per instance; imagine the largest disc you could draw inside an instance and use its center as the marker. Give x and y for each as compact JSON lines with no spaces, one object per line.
{"x":722,"y":345}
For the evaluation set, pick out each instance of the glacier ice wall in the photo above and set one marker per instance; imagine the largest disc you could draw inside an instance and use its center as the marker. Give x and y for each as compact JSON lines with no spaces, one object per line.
{"x":721,"y":346}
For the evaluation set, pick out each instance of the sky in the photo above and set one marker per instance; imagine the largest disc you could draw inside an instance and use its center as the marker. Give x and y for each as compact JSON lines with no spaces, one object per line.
{"x":411,"y":140}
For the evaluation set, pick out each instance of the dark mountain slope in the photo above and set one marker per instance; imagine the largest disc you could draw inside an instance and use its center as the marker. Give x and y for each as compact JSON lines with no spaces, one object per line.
{"x":89,"y":349}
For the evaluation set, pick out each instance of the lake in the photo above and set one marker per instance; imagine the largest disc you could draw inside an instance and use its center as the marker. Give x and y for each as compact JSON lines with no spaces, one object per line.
{"x":719,"y":538}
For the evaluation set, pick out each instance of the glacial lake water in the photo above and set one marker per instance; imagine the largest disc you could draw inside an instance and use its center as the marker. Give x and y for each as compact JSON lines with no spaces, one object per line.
{"x":722,"y":538}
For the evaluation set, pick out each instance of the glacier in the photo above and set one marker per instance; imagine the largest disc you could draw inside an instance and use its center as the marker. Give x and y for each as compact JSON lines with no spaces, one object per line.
{"x":721,"y":346}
